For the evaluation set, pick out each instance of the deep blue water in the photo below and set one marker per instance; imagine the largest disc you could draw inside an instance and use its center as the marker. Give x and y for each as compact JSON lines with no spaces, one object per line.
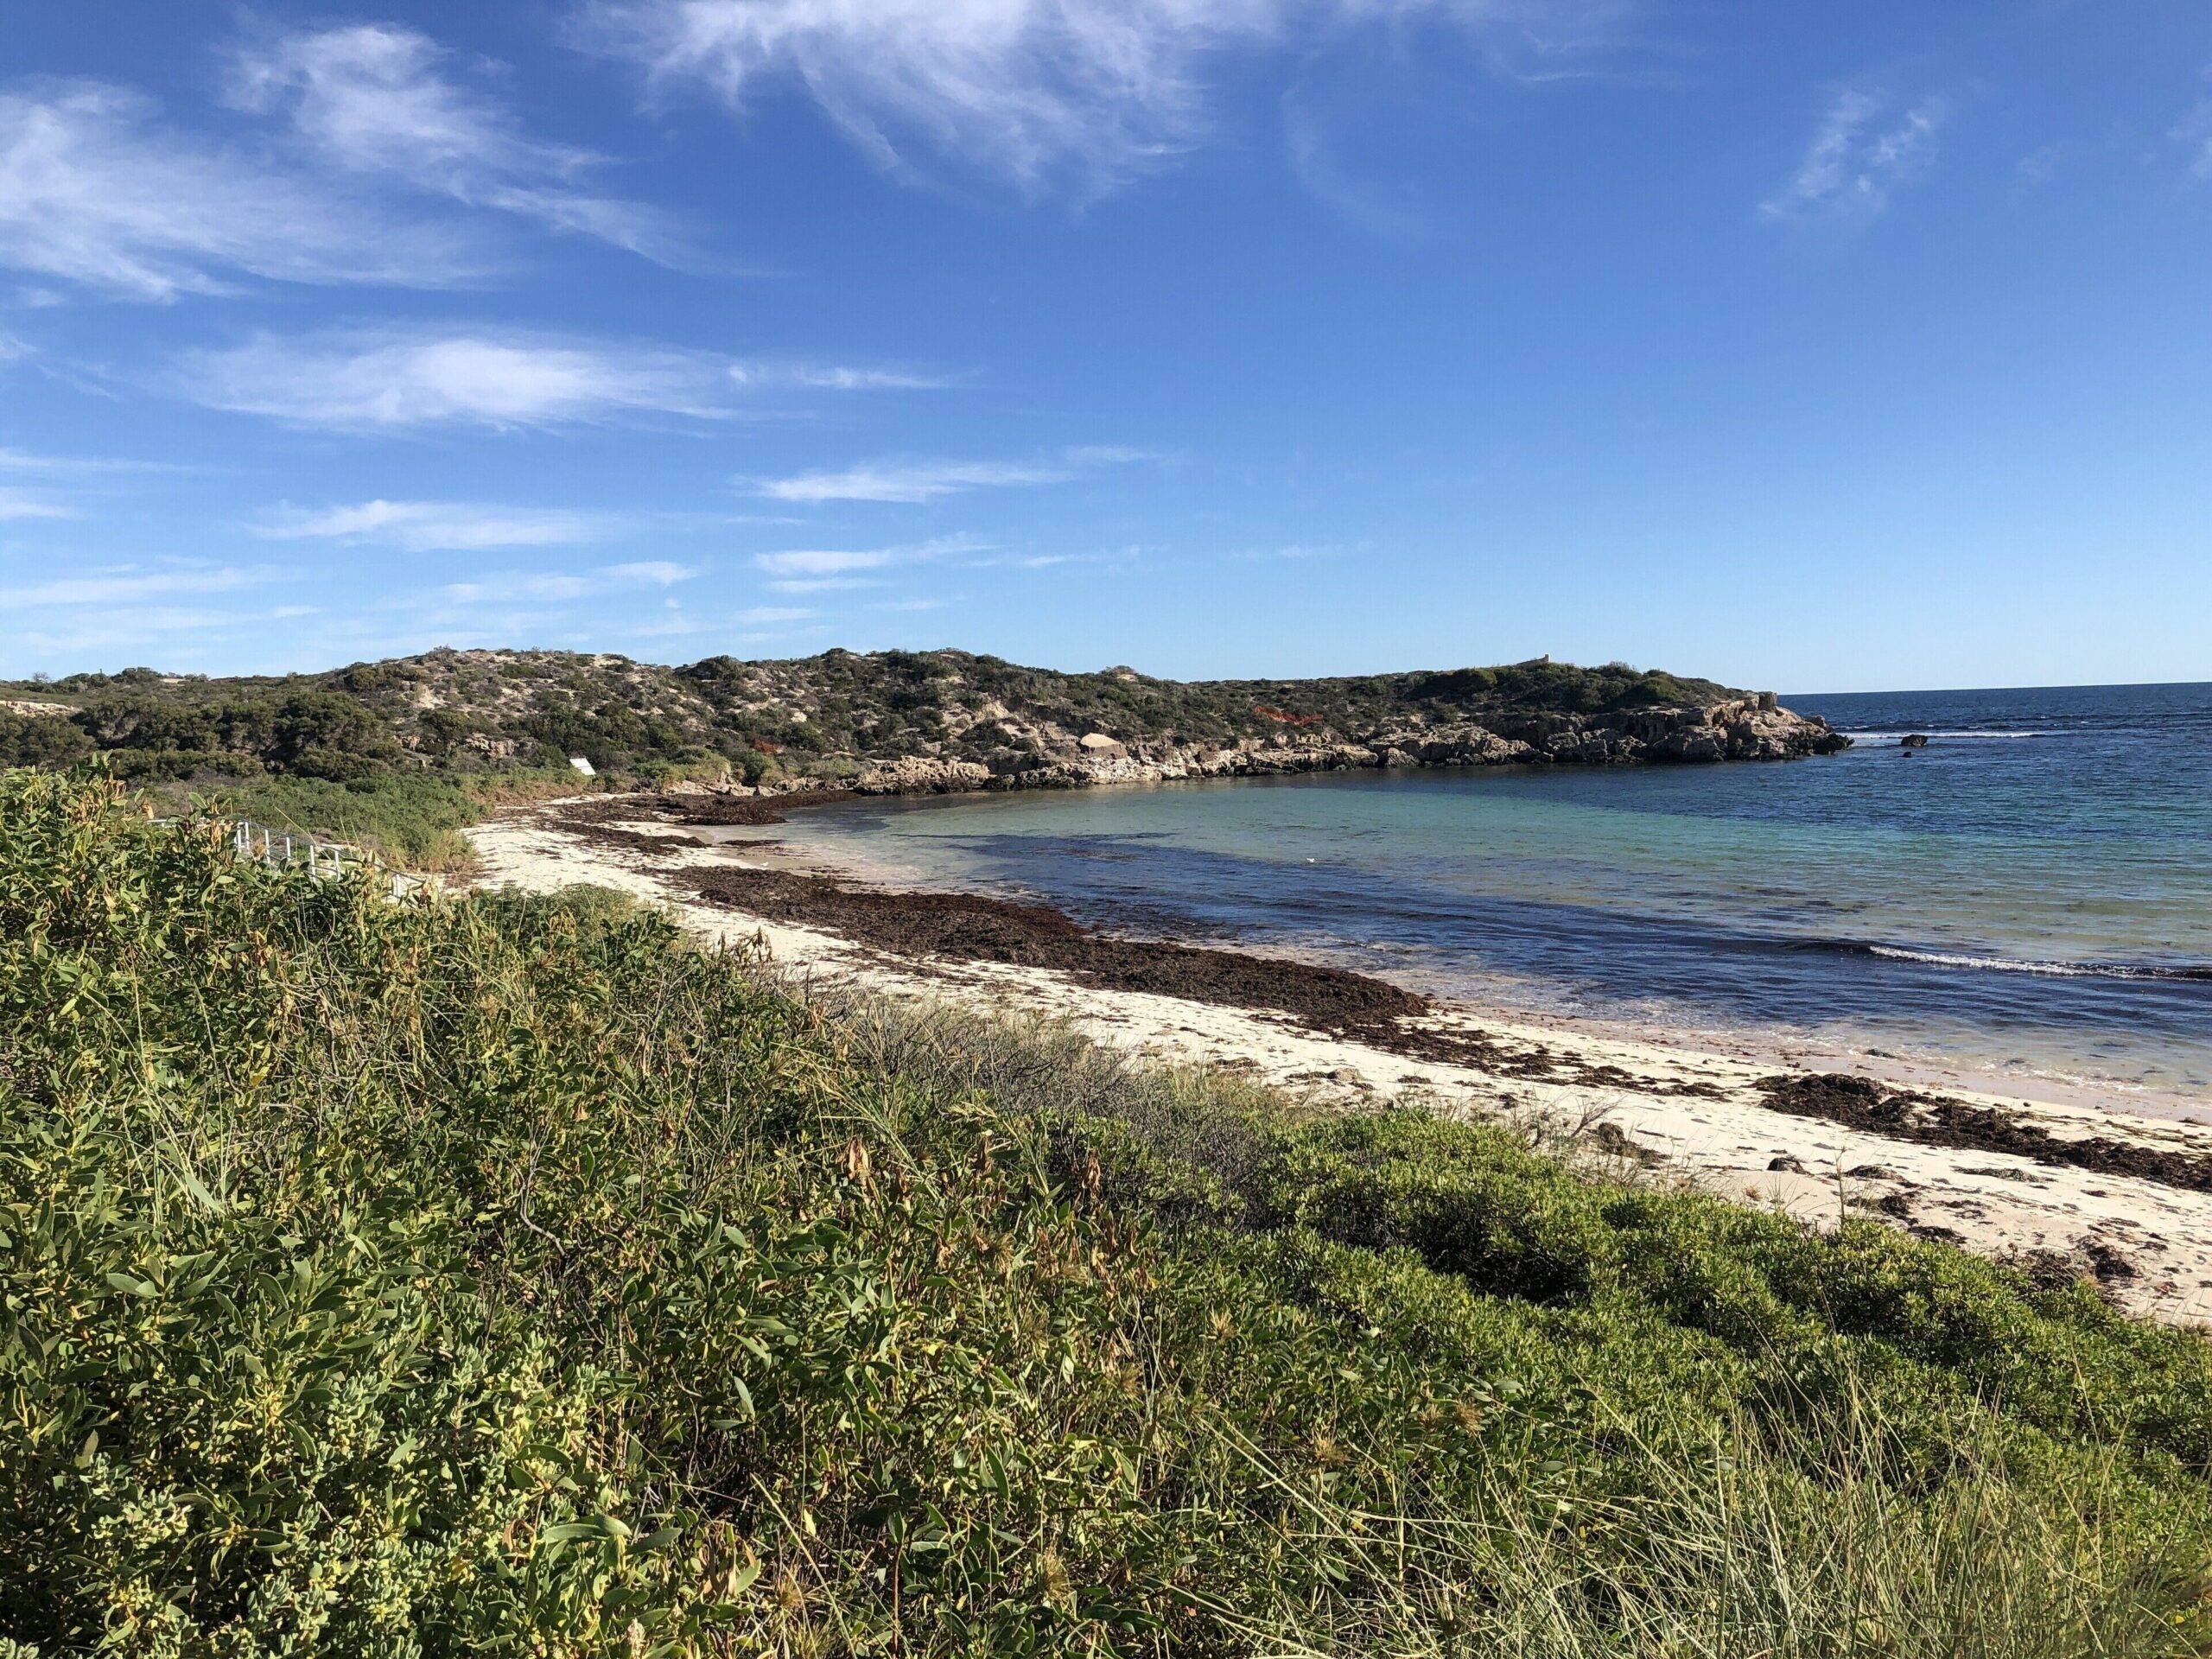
{"x":2031,"y":895}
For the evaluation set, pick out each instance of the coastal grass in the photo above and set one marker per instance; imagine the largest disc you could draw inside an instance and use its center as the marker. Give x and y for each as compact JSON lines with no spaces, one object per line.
{"x":512,"y":1275}
{"x":413,"y":819}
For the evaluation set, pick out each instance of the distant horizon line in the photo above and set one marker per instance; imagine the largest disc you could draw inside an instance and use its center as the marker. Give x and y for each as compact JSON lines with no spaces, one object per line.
{"x":1992,"y":691}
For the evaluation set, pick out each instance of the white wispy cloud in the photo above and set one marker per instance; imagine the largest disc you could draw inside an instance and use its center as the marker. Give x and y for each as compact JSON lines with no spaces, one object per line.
{"x":671,"y":624}
{"x":376,"y":100}
{"x":921,"y":480}
{"x":823,"y":562}
{"x":1386,"y":212}
{"x":31,"y":503}
{"x":128,"y":627}
{"x":911,"y":481}
{"x":1034,"y":92}
{"x":830,"y":376}
{"x":542,"y":587}
{"x":827,"y":567}
{"x":63,"y":481}
{"x":1864,"y":147}
{"x":445,"y":376}
{"x":428,"y":526}
{"x":760,"y":615}
{"x":27,"y":460}
{"x":2193,"y":132}
{"x":1106,"y":454}
{"x":484,"y":378}
{"x":96,"y":189}
{"x":823,"y":584}
{"x":123,"y":585}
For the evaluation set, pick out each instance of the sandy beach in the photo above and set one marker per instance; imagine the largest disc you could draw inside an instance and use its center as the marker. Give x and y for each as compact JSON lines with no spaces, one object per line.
{"x":2065,"y":1186}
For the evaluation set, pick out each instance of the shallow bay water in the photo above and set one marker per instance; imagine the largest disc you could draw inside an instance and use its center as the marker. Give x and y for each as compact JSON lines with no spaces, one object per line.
{"x":2028,"y":899}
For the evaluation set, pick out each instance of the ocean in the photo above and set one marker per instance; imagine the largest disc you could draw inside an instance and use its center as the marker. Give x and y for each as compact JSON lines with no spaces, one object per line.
{"x":2026,"y":901}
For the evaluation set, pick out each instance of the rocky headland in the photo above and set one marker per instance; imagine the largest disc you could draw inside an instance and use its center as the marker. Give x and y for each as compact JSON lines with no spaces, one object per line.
{"x":879,"y":722}
{"x":1749,"y":727}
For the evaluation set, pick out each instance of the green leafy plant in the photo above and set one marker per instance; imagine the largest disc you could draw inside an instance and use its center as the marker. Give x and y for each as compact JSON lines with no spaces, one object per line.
{"x":512,"y":1275}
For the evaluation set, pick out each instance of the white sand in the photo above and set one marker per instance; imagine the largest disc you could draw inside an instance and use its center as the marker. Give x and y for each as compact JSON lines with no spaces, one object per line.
{"x":1993,"y":1202}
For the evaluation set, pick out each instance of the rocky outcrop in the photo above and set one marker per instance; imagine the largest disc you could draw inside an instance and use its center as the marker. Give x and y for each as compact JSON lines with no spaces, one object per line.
{"x":1747,"y":728}
{"x":921,"y":775}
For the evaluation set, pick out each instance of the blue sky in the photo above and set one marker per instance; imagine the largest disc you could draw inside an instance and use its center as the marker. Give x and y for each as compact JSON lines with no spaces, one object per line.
{"x":1819,"y":347}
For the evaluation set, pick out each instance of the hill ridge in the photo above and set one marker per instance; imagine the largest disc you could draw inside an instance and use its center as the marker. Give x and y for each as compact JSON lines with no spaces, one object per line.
{"x":883,"y":722}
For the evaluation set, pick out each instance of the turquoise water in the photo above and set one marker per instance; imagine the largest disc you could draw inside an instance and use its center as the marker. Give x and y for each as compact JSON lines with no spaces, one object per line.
{"x":2030,"y":897}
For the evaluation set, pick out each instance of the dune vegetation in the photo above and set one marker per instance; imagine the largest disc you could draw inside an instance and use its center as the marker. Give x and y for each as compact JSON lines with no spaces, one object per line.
{"x":497,"y":1274}
{"x":412,"y":820}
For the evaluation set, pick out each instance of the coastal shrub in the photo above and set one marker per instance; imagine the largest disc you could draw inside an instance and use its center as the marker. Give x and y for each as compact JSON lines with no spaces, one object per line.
{"x":511,"y":1274}
{"x":41,"y":741}
{"x":310,"y":732}
{"x":1469,"y":1201}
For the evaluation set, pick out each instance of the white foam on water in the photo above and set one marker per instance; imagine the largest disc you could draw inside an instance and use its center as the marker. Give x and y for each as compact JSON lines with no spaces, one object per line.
{"x":1951,"y":737}
{"x":2008,"y":965}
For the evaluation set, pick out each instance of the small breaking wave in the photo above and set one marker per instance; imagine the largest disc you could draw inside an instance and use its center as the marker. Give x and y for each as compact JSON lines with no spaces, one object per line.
{"x":2047,"y":970}
{"x":1955,"y":737}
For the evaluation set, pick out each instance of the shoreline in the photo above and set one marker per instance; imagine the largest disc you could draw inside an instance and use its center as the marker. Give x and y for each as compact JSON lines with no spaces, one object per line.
{"x":1781,"y":1047}
{"x":2120,"y":1195}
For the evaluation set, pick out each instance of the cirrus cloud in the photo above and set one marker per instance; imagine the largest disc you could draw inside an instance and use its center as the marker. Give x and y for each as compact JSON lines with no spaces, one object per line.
{"x":433,"y":526}
{"x":906,"y":481}
{"x":97,"y":189}
{"x":543,"y":587}
{"x":31,"y":503}
{"x":806,"y":568}
{"x":371,"y":380}
{"x":1034,"y":93}
{"x":483,"y":377}
{"x":1862,"y":148}
{"x":125,"y":583}
{"x":914,"y":481}
{"x":375,"y":100}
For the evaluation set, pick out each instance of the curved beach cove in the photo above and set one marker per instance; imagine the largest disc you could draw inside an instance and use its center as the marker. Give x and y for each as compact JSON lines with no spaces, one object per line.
{"x":2027,"y":900}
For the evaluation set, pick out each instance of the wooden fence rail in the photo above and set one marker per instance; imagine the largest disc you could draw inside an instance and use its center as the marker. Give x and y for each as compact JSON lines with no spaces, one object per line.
{"x":262,"y":843}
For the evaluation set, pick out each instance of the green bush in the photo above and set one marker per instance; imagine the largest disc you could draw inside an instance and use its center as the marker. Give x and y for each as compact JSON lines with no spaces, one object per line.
{"x":414,"y":819}
{"x":41,"y":741}
{"x":510,"y":1275}
{"x":1929,"y":1320}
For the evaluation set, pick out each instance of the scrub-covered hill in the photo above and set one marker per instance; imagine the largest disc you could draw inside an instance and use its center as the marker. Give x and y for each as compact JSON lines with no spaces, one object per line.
{"x":889,"y":720}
